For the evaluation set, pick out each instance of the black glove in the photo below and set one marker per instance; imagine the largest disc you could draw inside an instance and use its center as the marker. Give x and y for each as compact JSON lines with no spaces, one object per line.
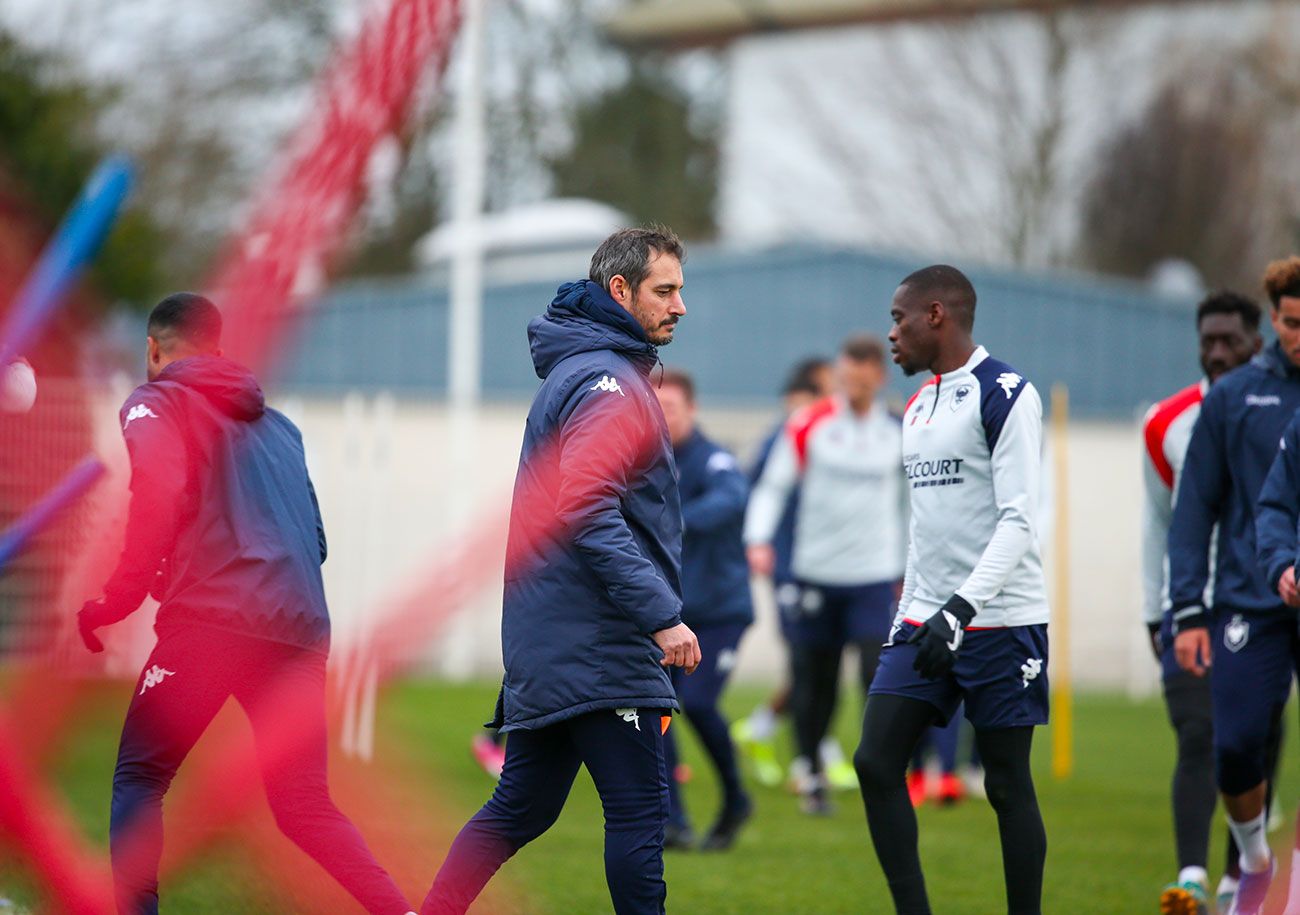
{"x":92,"y":615}
{"x":939,"y":638}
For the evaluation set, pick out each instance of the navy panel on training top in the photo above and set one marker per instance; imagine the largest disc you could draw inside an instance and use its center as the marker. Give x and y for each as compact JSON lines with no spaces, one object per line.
{"x":1000,"y":387}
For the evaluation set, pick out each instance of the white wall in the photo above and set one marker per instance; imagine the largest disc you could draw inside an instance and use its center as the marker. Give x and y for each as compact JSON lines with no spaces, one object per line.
{"x":388,"y":494}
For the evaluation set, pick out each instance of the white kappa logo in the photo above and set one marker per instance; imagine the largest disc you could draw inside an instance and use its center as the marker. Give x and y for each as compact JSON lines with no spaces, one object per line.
{"x":630,"y":715}
{"x":726,"y":660}
{"x":607,"y":383}
{"x":153,"y":676}
{"x":1009,"y":381}
{"x":1030,"y":671}
{"x":139,"y":411}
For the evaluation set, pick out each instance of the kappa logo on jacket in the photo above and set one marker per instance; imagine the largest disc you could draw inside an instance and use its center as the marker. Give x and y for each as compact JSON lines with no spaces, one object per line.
{"x":139,"y":411}
{"x":1009,"y":382}
{"x":629,"y":715}
{"x":154,"y":675}
{"x":607,"y":383}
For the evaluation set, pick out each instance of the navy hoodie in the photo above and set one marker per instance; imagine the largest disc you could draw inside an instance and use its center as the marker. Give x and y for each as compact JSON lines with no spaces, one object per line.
{"x":219,"y":490}
{"x":715,"y":573}
{"x":1232,"y":448}
{"x":593,"y":560}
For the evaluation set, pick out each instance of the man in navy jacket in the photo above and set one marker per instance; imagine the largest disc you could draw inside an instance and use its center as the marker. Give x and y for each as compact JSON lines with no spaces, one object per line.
{"x":716,"y":604}
{"x":592,"y":609}
{"x":224,"y":530}
{"x":1246,"y":629}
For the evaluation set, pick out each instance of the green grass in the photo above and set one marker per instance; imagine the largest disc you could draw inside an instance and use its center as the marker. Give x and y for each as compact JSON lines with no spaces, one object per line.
{"x":1109,"y":835}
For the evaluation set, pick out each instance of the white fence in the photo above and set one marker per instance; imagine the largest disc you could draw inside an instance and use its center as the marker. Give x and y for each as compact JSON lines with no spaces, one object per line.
{"x":396,"y":495}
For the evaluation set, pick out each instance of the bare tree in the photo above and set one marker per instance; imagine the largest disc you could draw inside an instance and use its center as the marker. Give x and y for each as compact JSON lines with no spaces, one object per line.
{"x":1206,"y":172}
{"x":953,"y":135}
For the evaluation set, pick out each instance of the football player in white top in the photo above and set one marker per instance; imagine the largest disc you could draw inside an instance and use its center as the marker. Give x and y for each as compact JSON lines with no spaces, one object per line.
{"x":972,"y":620}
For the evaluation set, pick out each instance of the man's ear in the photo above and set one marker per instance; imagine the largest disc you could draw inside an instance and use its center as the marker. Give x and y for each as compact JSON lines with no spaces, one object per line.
{"x":937,"y":313}
{"x":619,"y":290}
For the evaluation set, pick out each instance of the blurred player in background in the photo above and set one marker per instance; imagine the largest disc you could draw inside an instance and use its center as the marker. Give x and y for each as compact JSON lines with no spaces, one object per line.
{"x":755,"y":735}
{"x":715,"y":603}
{"x":1227,"y":325}
{"x":1246,"y":629}
{"x":849,"y":543}
{"x":972,"y":619}
{"x":224,"y":528}
{"x":591,"y":614}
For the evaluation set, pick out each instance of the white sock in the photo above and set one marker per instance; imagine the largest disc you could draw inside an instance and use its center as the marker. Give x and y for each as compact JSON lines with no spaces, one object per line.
{"x":1252,"y":840}
{"x":1194,"y":875}
{"x":762,"y":723}
{"x":1227,"y":886}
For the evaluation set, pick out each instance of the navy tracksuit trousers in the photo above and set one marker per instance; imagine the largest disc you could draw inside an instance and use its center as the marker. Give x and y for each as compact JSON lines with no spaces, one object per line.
{"x":624,"y":752}
{"x":189,"y":676}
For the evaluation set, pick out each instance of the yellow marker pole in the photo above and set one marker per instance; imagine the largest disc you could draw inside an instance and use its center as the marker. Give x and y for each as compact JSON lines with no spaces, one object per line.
{"x":1062,"y":695}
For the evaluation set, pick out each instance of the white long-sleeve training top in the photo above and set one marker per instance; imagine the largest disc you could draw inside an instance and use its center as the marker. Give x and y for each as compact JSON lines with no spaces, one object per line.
{"x":1166,"y":432}
{"x":972,"y":450}
{"x":850,"y":528}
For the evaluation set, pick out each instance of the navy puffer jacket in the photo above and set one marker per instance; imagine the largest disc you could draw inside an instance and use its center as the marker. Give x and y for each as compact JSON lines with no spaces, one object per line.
{"x":593,"y":561}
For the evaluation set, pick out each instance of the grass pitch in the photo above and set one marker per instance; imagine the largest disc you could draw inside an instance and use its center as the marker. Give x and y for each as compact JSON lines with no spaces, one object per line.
{"x":1108,"y":826}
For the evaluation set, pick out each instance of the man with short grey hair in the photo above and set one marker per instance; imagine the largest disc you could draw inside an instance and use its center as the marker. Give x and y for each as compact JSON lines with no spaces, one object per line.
{"x":591,"y":614}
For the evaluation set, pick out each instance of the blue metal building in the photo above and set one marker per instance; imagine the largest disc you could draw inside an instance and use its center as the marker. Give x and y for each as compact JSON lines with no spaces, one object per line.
{"x":1117,"y":345}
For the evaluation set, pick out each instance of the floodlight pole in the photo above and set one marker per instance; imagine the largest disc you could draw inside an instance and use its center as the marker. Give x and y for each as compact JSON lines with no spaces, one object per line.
{"x":464,"y":358}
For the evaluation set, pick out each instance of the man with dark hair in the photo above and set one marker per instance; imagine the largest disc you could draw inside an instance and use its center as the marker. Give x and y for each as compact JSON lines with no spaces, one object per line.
{"x":849,"y":543}
{"x":224,"y":529}
{"x":1243,"y":609}
{"x":592,"y":610}
{"x":1228,"y":328}
{"x":715,"y":604}
{"x":972,"y":620}
{"x":755,"y":735}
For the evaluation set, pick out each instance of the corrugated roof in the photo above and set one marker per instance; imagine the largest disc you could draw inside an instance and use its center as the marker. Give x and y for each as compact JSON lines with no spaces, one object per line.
{"x":683,"y":23}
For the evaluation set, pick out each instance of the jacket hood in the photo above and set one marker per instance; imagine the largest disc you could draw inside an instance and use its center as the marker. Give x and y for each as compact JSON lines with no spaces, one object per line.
{"x":583,"y":318}
{"x":229,"y":386}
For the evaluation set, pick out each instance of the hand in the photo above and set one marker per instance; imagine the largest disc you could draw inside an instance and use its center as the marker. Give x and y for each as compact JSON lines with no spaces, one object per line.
{"x":1192,"y":649}
{"x":681,"y":647}
{"x":940,"y":636}
{"x":90,"y":617}
{"x":762,"y":559}
{"x":1286,"y":588}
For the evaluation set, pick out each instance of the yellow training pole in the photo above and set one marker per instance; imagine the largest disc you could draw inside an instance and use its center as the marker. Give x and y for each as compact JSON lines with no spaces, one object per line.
{"x":1062,"y":695}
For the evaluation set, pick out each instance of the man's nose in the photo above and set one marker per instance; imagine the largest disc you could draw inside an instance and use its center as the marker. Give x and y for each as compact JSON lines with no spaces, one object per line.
{"x":678,"y":307}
